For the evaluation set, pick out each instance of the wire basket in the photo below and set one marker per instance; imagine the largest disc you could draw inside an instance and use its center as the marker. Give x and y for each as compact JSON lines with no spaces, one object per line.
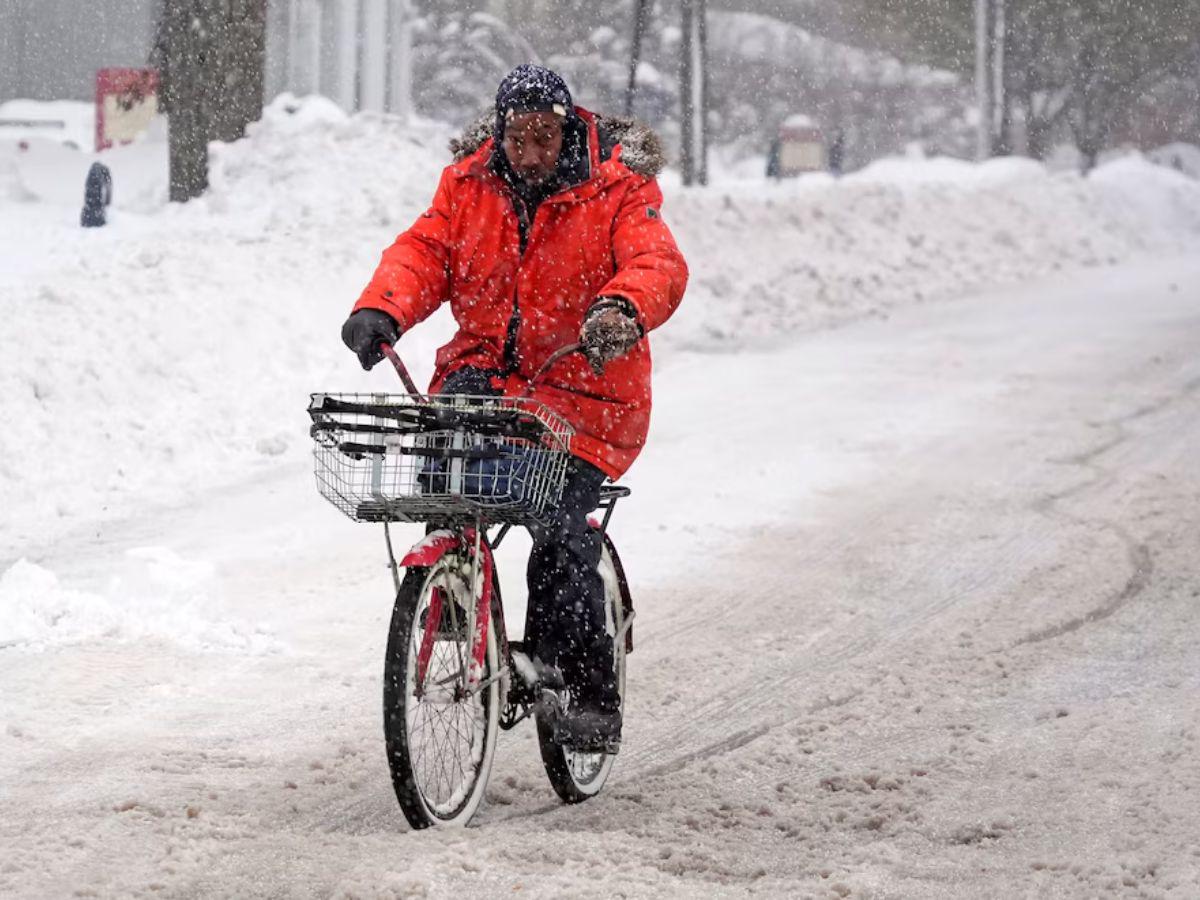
{"x":399,"y":458}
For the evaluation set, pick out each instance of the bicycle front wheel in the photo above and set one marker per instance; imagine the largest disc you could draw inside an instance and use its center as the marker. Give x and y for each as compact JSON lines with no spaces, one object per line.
{"x":576,"y":776}
{"x":440,"y":735}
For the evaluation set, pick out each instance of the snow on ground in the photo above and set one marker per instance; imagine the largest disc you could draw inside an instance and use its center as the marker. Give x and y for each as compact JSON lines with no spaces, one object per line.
{"x":914,"y":594}
{"x":922,"y":627}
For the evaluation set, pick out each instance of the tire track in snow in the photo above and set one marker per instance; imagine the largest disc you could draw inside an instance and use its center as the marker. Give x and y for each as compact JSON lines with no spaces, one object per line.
{"x":740,"y":706}
{"x":904,"y":622}
{"x":741,"y":703}
{"x":1141,"y":560}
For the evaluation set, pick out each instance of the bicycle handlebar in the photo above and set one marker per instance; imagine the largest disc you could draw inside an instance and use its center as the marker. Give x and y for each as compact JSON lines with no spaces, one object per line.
{"x":409,"y":385}
{"x":554,"y":357}
{"x":394,"y":358}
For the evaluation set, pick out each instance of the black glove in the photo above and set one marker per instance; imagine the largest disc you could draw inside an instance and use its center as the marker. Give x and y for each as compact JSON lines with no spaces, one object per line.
{"x":610,"y":329}
{"x":365,"y":330}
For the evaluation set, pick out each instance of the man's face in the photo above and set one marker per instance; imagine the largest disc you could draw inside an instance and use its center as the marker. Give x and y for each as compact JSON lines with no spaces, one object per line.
{"x":532,"y":142}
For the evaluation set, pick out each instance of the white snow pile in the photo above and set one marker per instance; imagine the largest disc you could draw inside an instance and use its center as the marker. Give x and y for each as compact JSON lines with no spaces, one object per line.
{"x":172,"y":351}
{"x":309,"y":164}
{"x":1180,"y":156}
{"x":772,"y":259}
{"x":152,"y":594}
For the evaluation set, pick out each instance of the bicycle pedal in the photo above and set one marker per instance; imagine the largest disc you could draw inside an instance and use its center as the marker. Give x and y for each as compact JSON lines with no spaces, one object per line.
{"x":587,"y":732}
{"x":610,"y":746}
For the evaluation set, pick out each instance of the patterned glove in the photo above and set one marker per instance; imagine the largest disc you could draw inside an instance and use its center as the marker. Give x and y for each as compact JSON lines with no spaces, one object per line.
{"x":365,"y":330}
{"x":610,"y":329}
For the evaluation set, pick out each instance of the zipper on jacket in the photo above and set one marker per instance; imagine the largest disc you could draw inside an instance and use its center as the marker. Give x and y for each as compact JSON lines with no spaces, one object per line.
{"x":524,"y":226}
{"x":525,"y":223}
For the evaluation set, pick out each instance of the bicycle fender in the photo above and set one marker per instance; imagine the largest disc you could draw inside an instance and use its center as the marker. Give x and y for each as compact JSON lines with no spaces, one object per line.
{"x":623,"y":586}
{"x":430,"y":548}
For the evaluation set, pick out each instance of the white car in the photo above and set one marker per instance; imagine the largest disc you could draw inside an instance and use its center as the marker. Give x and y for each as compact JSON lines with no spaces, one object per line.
{"x":67,"y":122}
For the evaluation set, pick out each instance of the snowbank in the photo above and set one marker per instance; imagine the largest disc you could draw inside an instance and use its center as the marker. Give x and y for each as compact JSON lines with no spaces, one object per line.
{"x":152,"y":594}
{"x":174,"y":350}
{"x":1180,"y":156}
{"x":770,"y":260}
{"x":1159,"y":200}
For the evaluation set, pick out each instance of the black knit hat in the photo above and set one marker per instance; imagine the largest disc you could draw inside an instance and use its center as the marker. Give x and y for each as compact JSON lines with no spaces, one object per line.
{"x":530,"y":88}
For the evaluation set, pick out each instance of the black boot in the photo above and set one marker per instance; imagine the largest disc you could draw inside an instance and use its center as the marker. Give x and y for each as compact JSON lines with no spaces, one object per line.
{"x":588,"y":724}
{"x":589,"y":729}
{"x":591,"y":721}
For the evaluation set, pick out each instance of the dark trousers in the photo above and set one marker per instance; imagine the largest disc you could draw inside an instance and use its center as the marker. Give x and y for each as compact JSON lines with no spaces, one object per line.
{"x":565,"y":624}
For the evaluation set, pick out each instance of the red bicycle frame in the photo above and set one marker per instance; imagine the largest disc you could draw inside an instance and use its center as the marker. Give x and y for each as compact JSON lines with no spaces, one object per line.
{"x":473,"y":545}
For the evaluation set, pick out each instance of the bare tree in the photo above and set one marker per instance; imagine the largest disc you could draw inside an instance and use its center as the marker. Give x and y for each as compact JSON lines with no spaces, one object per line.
{"x":1120,"y":51}
{"x":211,"y":58}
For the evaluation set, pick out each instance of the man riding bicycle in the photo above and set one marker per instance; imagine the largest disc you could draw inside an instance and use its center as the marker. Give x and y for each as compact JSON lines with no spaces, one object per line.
{"x":546,"y":231}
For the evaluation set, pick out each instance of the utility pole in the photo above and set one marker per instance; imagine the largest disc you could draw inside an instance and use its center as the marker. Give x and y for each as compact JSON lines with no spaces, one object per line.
{"x":304,"y":55}
{"x":983,"y":77}
{"x":700,"y":80}
{"x":400,"y":58}
{"x":339,"y":64}
{"x":693,"y":90}
{"x":1000,"y":110}
{"x":372,"y":62}
{"x":640,"y":15}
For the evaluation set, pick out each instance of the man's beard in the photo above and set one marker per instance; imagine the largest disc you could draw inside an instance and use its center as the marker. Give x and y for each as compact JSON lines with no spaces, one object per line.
{"x":536,"y":179}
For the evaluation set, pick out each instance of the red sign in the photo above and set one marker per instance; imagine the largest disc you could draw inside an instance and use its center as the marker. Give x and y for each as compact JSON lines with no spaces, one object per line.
{"x":126,"y":103}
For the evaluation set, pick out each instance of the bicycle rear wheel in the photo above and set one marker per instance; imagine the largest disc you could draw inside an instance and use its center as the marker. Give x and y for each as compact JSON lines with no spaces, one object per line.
{"x":577,"y":776}
{"x":440,"y":737}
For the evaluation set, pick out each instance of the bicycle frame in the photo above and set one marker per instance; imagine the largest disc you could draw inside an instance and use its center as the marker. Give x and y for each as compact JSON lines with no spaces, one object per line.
{"x":471,"y":467}
{"x":473,"y":544}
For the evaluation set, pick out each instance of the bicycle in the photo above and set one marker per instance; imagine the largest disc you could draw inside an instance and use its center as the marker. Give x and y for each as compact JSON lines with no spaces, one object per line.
{"x":452,"y":680}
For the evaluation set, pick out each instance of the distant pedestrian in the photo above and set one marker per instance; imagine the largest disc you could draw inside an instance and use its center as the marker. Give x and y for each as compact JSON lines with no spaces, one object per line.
{"x":837,"y":152}
{"x":97,"y":195}
{"x":773,"y":164}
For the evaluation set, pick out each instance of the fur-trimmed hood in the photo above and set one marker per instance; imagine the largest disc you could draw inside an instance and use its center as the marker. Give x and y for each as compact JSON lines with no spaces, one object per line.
{"x":641,"y":148}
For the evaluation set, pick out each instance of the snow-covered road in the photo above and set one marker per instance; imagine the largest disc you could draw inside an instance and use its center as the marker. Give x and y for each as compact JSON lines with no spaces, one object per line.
{"x":917,"y":618}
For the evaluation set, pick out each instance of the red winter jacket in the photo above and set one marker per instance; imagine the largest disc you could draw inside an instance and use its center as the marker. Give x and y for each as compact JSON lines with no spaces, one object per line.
{"x":601,"y":237}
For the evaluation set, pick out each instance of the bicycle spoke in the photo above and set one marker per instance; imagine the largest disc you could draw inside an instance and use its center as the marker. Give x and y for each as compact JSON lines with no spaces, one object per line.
{"x":444,"y":722}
